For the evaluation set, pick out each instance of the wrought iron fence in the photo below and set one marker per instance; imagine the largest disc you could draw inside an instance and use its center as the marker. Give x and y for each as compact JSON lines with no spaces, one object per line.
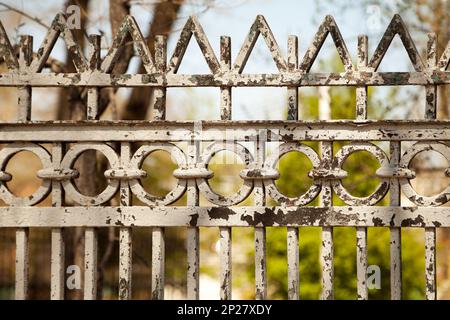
{"x":203,"y":139}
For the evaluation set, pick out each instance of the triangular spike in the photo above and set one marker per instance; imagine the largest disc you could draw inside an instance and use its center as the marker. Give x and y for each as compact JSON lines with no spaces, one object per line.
{"x":328,"y":26}
{"x":397,"y":26}
{"x":6,"y":50}
{"x":141,"y":46}
{"x":193,"y":27}
{"x":129,"y":26}
{"x":259,"y":27}
{"x":59,"y":27}
{"x":114,"y":51}
{"x":46,"y":46}
{"x":444,"y":62}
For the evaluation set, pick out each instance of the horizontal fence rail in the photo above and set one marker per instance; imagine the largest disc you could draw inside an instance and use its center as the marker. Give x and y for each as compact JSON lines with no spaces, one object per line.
{"x":192,"y":144}
{"x":242,"y":216}
{"x":277,"y":131}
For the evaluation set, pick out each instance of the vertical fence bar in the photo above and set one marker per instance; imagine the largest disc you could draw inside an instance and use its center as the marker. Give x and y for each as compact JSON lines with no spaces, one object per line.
{"x":293,"y":233}
{"x":158,"y":234}
{"x":430,"y":264}
{"x":125,"y":234}
{"x":24,"y":93}
{"x":90,"y":263}
{"x":361,"y":232}
{"x":58,"y":243}
{"x":225,"y":232}
{"x":292,"y":92}
{"x":431,"y":90}
{"x":293,"y":259}
{"x":193,"y":233}
{"x":21,"y":292}
{"x":90,"y":234}
{"x":260,"y":232}
{"x":159,"y":108}
{"x":430,"y":233}
{"x":94,"y":64}
{"x":158,"y":263}
{"x":225,"y":263}
{"x":24,"y":114}
{"x":361,"y":263}
{"x":92,"y":103}
{"x":327,"y":252}
{"x":225,"y":92}
{"x":361,"y":91}
{"x":395,"y":232}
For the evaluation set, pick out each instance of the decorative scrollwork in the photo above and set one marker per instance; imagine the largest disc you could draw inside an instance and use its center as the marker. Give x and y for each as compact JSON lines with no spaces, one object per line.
{"x":324,"y":169}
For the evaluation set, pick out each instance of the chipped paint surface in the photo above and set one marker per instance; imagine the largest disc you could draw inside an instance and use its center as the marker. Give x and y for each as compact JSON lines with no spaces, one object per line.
{"x":57,"y":280}
{"x":114,"y":140}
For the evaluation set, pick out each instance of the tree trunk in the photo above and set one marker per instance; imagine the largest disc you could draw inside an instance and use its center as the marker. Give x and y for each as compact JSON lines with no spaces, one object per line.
{"x":165,"y":14}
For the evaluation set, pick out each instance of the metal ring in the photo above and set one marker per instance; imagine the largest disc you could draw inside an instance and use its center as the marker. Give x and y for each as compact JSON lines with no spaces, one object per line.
{"x":67,"y":163}
{"x":203,"y":184}
{"x":405,"y":183}
{"x":338,"y":162}
{"x":271,"y":163}
{"x":136,"y":162}
{"x":44,"y":189}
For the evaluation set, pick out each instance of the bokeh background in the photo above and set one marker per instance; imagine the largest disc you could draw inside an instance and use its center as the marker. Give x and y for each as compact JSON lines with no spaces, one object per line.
{"x":233,"y":18}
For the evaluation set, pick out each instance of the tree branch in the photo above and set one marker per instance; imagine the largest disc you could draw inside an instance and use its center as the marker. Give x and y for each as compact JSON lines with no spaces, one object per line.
{"x":26,"y":15}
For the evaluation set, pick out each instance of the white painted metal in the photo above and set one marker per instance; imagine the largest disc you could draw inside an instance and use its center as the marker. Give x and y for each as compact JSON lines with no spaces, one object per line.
{"x":58,"y":244}
{"x":259,"y":174}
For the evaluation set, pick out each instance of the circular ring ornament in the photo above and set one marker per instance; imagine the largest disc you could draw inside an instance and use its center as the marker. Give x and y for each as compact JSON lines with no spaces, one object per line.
{"x":271,"y":163}
{"x":338,"y":162}
{"x":135,"y":184}
{"x":10,"y":150}
{"x":203,"y":185}
{"x":69,"y":187}
{"x":405,"y":183}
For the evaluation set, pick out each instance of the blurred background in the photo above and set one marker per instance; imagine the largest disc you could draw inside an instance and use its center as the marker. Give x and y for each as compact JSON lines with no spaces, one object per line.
{"x":232,"y":18}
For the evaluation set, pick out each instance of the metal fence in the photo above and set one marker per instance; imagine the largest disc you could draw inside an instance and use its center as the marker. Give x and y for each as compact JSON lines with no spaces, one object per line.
{"x":202,"y":140}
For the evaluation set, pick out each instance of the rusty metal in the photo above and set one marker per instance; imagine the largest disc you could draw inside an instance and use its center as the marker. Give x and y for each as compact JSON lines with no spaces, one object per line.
{"x":204,"y":139}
